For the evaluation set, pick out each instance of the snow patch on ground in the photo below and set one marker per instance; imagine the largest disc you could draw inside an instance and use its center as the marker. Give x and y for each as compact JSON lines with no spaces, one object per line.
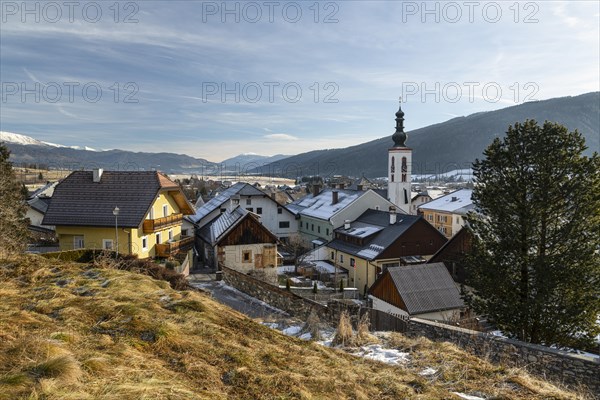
{"x":468,"y":397}
{"x":428,"y":372}
{"x":382,"y":354}
{"x":292,"y":330}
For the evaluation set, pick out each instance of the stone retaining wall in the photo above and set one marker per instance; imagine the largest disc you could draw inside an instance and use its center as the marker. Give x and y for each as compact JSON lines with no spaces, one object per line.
{"x":287,"y":301}
{"x":565,"y":368}
{"x":559,"y":366}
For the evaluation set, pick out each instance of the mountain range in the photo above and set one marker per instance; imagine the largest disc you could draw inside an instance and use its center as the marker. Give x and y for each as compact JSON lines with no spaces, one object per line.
{"x":446,"y":146}
{"x":437,"y":149}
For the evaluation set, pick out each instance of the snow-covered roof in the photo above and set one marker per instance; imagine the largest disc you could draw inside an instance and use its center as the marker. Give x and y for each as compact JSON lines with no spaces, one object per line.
{"x":213,"y":231}
{"x":321,"y":206}
{"x":240,"y":188}
{"x":456,"y":202}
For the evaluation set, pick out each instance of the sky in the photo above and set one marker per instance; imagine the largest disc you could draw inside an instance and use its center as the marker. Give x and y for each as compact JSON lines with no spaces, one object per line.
{"x":217,"y":79}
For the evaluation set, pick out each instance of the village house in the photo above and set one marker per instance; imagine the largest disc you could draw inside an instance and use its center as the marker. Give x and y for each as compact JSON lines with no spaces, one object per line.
{"x":273,"y":215}
{"x":324,"y":211}
{"x":37,"y":205}
{"x":447,"y":213}
{"x":453,"y":254}
{"x":378,"y":240}
{"x":423,"y":290}
{"x":142,"y":211}
{"x":236,"y":239}
{"x":422,"y":197}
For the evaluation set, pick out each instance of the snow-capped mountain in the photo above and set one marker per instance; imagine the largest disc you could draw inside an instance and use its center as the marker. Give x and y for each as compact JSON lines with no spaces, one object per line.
{"x":17,"y":138}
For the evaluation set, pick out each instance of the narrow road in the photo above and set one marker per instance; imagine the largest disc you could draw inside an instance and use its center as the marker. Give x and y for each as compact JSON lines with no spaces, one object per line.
{"x":237,"y":300}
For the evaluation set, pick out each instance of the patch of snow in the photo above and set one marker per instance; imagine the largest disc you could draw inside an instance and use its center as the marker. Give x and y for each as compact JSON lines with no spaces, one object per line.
{"x":379,"y":353}
{"x":286,"y":268}
{"x":292,"y":330}
{"x":305,"y":336}
{"x":428,"y":371}
{"x":468,"y":397}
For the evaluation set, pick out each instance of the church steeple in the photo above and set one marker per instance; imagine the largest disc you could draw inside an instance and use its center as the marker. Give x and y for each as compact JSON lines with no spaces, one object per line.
{"x":399,"y":136}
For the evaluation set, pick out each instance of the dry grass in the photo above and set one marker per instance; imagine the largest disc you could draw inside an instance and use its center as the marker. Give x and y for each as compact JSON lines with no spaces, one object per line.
{"x":66,"y":334}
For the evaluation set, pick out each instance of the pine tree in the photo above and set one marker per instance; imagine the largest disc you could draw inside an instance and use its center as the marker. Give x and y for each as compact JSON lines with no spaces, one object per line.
{"x":535,"y":265}
{"x":13,"y":226}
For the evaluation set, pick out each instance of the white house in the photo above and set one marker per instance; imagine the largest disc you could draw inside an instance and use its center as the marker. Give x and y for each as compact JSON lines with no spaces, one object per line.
{"x":273,"y":215}
{"x":322,"y":212}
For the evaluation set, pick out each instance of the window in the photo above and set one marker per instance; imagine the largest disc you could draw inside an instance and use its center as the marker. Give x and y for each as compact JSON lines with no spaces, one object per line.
{"x":341,"y":258}
{"x":248,"y":201}
{"x":158,"y":238}
{"x":151,"y":213}
{"x":170,"y":234}
{"x":327,"y":231}
{"x":247,"y":256}
{"x":312,"y":227}
{"x":300,"y":224}
{"x":284,"y":224}
{"x":222,"y":210}
{"x":319,"y":229}
{"x":78,"y":242}
{"x":259,"y":210}
{"x":144,"y":243}
{"x":279,"y":210}
{"x":184,"y":232}
{"x":166,"y":210}
{"x":107,"y":244}
{"x":250,"y":209}
{"x":457,"y":220}
{"x":352,"y":262}
{"x":332,"y":255}
{"x":404,"y":169}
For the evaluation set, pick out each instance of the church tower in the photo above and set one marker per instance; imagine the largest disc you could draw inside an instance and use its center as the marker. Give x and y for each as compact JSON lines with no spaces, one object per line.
{"x":399,"y":167}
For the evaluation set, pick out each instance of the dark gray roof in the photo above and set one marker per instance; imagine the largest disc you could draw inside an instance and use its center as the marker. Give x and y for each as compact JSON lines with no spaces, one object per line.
{"x":381,"y":238}
{"x":240,"y":188}
{"x":426,"y":288}
{"x":214,"y":230}
{"x":79,"y":201}
{"x":39,"y":203}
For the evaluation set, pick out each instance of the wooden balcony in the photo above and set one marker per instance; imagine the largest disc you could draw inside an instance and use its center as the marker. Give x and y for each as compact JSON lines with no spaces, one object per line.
{"x":171,"y":248}
{"x":153,"y":225}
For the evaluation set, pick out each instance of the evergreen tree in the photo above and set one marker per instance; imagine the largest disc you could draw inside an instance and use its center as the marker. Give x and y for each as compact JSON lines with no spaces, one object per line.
{"x":13,"y":226}
{"x":535,"y":265}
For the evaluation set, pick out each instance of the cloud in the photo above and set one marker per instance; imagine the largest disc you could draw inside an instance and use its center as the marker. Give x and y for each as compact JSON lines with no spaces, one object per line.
{"x":280,"y":136}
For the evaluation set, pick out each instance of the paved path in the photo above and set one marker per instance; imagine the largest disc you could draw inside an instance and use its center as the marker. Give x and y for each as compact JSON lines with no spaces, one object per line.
{"x":235,"y":299}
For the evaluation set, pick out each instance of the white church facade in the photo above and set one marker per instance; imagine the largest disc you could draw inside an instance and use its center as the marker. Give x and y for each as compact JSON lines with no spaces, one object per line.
{"x":400,"y":167}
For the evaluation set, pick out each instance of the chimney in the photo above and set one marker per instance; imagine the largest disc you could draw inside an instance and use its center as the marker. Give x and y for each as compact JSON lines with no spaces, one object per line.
{"x":392,"y":215}
{"x":97,"y":174}
{"x":273,"y":195}
{"x":347,"y":224}
{"x":234,"y":201}
{"x":334,"y":197}
{"x":315,"y":189}
{"x":359,"y":187}
{"x":454,"y":198}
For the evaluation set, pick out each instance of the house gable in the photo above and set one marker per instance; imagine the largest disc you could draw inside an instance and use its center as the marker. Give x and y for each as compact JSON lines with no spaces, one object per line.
{"x":419,"y":239}
{"x":385,"y":289}
{"x":247,"y":231}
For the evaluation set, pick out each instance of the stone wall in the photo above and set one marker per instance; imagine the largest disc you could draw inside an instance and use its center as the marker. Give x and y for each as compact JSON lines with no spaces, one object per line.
{"x":273,"y":295}
{"x":559,"y":366}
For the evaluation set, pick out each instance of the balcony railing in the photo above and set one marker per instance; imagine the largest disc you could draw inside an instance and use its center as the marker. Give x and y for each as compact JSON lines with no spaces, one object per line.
{"x":153,"y":225}
{"x":171,"y":248}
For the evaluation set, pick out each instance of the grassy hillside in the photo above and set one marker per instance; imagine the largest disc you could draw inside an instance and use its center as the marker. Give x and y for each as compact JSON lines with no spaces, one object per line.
{"x":81,"y":331}
{"x":450,"y":145}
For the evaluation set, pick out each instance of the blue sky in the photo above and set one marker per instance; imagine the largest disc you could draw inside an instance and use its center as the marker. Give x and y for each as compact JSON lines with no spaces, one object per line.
{"x":175,"y":58}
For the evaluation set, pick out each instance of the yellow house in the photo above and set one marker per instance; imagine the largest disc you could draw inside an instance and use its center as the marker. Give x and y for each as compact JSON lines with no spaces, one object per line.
{"x":447,"y":213}
{"x":140,"y":212}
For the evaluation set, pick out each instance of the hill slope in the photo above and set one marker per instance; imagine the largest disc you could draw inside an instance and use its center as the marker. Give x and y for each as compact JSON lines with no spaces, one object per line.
{"x":78,"y":331}
{"x":450,"y":145}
